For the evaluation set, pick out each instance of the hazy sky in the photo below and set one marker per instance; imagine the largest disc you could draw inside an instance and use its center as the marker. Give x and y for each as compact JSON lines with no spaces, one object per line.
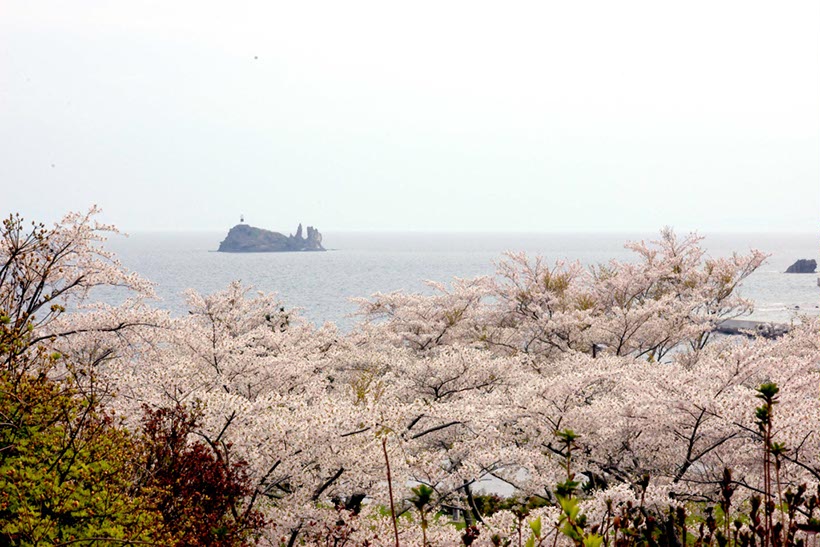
{"x":467,"y":116}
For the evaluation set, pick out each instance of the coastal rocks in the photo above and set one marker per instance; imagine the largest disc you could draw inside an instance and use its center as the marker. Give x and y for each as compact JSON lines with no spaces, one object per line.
{"x":803,"y":266}
{"x":243,"y":238}
{"x":765,"y":329}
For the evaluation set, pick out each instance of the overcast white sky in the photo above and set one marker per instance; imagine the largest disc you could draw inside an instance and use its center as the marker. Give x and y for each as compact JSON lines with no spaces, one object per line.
{"x":466,"y":116}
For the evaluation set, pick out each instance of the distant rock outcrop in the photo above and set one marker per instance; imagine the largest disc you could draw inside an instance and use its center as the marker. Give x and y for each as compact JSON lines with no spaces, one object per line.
{"x":248,"y":239}
{"x":750,"y":328}
{"x":803,"y":266}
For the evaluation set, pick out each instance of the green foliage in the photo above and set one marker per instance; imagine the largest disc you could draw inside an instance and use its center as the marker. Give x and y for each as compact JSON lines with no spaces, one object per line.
{"x":488,"y":505}
{"x":767,"y":391}
{"x":535,"y":526}
{"x":65,"y":473}
{"x":566,"y":488}
{"x":422,"y":495}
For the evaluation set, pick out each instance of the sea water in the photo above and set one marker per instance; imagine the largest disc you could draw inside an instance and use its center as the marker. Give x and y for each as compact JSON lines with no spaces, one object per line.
{"x":360,"y":264}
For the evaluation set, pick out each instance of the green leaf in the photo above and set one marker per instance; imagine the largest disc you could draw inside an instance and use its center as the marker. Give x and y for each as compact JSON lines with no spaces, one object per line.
{"x":535,"y":525}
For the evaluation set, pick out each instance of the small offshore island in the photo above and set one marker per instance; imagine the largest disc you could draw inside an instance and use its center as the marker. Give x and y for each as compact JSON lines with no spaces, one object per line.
{"x":243,"y":238}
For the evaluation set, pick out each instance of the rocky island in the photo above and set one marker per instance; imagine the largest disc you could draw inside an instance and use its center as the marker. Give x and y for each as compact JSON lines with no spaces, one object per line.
{"x":243,"y":238}
{"x":803,"y":265}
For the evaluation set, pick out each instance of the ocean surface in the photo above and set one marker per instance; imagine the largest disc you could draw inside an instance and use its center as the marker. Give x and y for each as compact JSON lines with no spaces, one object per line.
{"x":360,"y":264}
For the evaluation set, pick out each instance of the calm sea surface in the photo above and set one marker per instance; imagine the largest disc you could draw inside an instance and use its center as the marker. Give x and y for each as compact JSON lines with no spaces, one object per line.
{"x":360,"y":264}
